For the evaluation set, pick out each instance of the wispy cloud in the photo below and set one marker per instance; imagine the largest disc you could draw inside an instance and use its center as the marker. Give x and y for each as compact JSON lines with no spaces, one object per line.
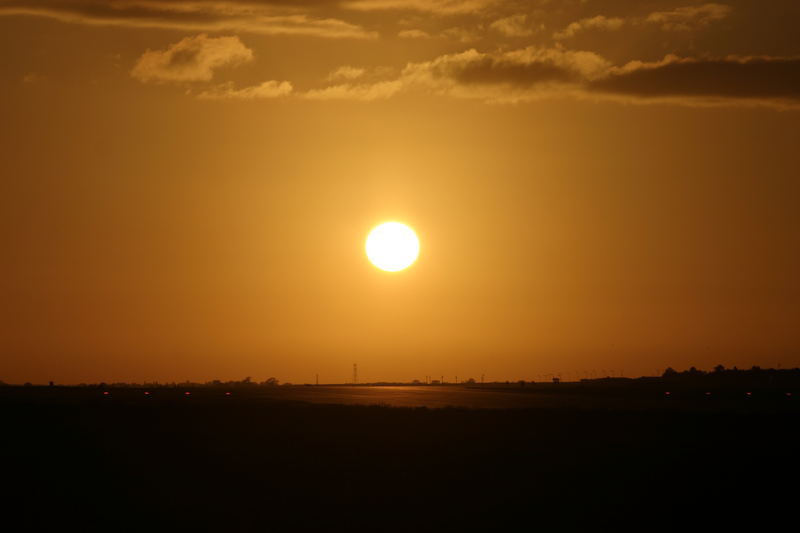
{"x":191,"y":59}
{"x":265,"y":17}
{"x":33,"y":78}
{"x":440,"y":7}
{"x":678,"y":19}
{"x":413,"y":34}
{"x":346,"y":73}
{"x":600,"y":22}
{"x":690,"y":17}
{"x":462,"y":35}
{"x":366,"y":91}
{"x":514,"y":26}
{"x":227,"y":91}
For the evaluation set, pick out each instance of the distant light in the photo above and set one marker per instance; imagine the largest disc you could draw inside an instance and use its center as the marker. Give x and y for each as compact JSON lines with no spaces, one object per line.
{"x":667,"y":393}
{"x":187,"y":393}
{"x":146,"y":393}
{"x":105,"y":393}
{"x":788,"y":394}
{"x":708,"y":394}
{"x":227,"y":394}
{"x":749,"y":393}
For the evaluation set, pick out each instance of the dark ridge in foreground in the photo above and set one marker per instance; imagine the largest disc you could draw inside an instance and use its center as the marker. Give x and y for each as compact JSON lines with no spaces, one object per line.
{"x":254,"y":463}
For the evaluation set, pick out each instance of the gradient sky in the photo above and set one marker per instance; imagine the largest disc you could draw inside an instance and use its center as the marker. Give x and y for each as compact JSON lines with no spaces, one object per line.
{"x":187,"y":186}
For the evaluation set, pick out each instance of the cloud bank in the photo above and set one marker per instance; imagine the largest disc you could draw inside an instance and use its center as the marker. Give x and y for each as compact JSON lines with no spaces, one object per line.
{"x":769,"y":80}
{"x":534,"y":73}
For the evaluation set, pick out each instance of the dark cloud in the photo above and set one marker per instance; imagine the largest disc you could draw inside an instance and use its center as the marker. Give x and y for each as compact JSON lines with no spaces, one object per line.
{"x":531,"y":72}
{"x":489,"y":70}
{"x":523,"y":68}
{"x":761,"y":78}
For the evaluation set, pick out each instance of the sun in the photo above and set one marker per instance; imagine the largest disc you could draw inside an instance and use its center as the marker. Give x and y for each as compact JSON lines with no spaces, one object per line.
{"x":392,"y":246}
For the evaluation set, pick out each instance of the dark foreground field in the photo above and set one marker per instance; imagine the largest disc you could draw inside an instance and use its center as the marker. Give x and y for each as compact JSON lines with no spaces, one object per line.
{"x":594,"y":459}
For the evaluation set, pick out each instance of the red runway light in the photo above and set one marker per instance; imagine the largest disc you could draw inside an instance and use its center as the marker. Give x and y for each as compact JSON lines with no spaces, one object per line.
{"x":146,"y":393}
{"x":667,"y":393}
{"x":105,"y":393}
{"x":749,"y":393}
{"x":187,"y":393}
{"x":227,"y":394}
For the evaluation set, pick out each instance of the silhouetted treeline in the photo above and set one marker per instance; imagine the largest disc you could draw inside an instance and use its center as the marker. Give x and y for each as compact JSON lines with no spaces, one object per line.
{"x":735,"y":376}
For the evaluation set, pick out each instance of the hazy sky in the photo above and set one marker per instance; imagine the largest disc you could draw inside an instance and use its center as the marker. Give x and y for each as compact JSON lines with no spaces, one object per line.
{"x":187,"y":186}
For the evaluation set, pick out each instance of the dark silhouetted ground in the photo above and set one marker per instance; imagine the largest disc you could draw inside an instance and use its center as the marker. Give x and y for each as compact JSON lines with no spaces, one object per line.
{"x":599,"y":457}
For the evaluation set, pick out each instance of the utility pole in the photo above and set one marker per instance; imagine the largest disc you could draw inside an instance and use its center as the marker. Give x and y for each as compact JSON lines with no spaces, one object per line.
{"x":317,"y":379}
{"x":355,"y":373}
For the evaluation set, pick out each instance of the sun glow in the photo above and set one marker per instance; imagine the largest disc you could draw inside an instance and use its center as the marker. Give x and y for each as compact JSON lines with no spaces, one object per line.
{"x":392,"y":246}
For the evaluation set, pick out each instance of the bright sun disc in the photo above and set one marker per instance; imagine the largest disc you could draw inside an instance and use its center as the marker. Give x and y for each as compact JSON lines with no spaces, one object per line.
{"x":392,"y":246}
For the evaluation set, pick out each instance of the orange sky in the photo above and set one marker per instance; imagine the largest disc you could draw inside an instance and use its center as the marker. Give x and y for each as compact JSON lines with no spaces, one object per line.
{"x":187,"y":186}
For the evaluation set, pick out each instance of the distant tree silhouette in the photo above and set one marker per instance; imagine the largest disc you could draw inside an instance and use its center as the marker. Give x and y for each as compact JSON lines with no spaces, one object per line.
{"x":694,"y":372}
{"x":669,"y":372}
{"x":719,"y":369}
